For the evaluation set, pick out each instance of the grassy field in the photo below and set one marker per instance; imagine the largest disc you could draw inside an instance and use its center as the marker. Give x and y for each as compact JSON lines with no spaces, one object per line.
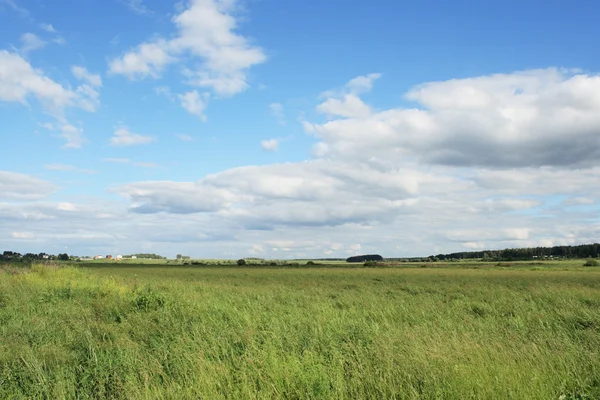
{"x":525,"y":331}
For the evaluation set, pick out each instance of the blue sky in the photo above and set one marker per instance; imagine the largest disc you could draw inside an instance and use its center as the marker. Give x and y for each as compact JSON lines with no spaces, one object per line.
{"x":295,"y":128}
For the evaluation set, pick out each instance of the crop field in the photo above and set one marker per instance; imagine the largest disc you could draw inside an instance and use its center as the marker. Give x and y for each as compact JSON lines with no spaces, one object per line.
{"x":475,"y":331}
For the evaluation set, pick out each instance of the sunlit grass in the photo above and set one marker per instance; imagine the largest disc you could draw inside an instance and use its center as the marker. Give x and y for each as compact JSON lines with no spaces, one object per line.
{"x":170,"y":332}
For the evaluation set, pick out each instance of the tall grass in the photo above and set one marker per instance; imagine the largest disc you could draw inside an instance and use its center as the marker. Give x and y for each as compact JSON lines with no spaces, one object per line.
{"x":165,"y":333}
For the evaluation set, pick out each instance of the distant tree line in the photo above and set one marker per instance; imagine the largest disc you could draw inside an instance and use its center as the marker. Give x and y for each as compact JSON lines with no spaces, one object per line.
{"x":363,"y":258}
{"x":527,"y":253}
{"x":147,"y":256}
{"x":13,"y":256}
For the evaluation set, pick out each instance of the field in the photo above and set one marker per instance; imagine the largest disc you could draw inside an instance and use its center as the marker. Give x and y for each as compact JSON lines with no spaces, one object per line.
{"x":475,"y":331}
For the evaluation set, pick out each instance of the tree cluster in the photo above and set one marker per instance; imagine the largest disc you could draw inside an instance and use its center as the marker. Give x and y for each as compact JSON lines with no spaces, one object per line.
{"x":147,"y":256}
{"x":527,"y":253}
{"x":13,"y":256}
{"x":363,"y":258}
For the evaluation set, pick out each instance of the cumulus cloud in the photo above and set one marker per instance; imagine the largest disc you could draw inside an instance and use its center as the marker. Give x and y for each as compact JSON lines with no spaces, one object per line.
{"x":72,"y":135}
{"x":147,"y":60}
{"x":124,"y":137}
{"x":379,"y":183}
{"x":83,"y":74}
{"x":270,"y":144}
{"x":526,"y":119}
{"x":206,"y":34}
{"x":194,"y":103}
{"x":350,"y":107}
{"x":19,"y":82}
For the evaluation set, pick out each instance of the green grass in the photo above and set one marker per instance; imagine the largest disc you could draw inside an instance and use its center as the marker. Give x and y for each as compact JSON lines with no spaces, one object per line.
{"x":168,"y":332}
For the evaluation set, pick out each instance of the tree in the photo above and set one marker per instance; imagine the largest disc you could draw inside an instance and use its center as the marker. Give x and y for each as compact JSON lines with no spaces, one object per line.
{"x":241,"y":262}
{"x":179,"y":256}
{"x":63,"y":257}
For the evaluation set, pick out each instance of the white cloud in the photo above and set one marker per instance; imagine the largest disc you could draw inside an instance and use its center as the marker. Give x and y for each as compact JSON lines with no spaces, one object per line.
{"x":355,"y":86}
{"x":137,"y":6}
{"x":579,"y":201}
{"x":19,"y":82}
{"x":48,"y":28}
{"x":362,"y":84}
{"x":149,"y":59}
{"x":277,"y":112}
{"x":59,"y":40}
{"x":23,"y":235}
{"x":72,"y":135}
{"x":532,"y":118}
{"x":83,"y":74}
{"x":117,"y":160}
{"x":66,"y":167}
{"x":141,"y":164}
{"x":504,"y":205}
{"x":350,"y":107}
{"x":378,"y":183}
{"x":185,"y":138}
{"x":31,"y":42}
{"x":124,"y":137}
{"x":194,"y":103}
{"x":22,"y":11}
{"x":14,"y":186}
{"x":205,"y":32}
{"x":270,"y":145}
{"x":345,"y":102}
{"x":164,"y":91}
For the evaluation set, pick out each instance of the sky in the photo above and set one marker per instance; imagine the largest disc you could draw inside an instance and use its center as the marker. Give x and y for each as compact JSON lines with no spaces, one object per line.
{"x":298,"y":128}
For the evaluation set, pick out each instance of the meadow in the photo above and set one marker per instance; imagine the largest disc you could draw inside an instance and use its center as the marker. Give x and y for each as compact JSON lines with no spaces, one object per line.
{"x":475,"y":331}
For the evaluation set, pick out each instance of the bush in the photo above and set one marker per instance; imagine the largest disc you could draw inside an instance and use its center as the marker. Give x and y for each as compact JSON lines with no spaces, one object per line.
{"x":149,"y":299}
{"x":591,"y":263}
{"x":310,"y":263}
{"x":370,"y":264}
{"x":241,"y":262}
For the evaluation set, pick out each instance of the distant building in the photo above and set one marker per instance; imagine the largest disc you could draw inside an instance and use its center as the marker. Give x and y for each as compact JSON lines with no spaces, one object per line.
{"x":134,"y":257}
{"x":109,"y":257}
{"x":119,"y":257}
{"x":98,"y":257}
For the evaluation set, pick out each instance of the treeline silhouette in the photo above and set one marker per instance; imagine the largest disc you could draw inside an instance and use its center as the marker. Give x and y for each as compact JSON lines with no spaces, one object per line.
{"x":527,"y":253}
{"x":13,"y":256}
{"x":363,"y":258}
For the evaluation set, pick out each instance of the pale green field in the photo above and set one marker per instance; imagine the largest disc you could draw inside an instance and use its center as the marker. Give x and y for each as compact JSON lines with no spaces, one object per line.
{"x":168,"y":332}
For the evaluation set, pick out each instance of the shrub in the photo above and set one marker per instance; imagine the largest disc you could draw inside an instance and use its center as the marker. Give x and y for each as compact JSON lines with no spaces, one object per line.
{"x":370,"y":264}
{"x":310,"y":263}
{"x":149,"y":300}
{"x":591,"y":263}
{"x":241,"y":262}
